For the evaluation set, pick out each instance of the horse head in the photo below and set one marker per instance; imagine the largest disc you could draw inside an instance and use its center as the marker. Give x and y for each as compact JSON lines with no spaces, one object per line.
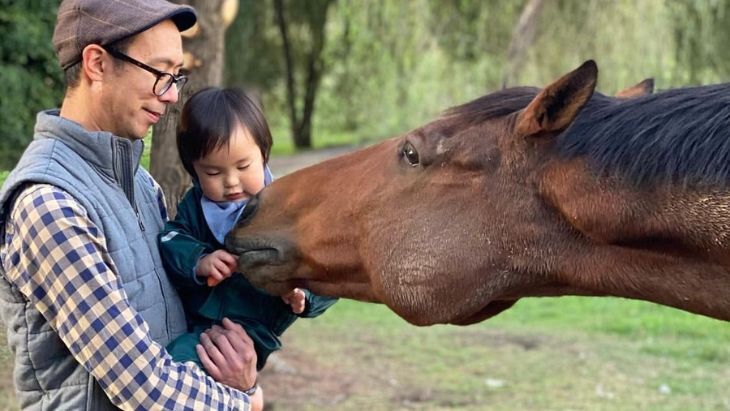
{"x":522,"y":192}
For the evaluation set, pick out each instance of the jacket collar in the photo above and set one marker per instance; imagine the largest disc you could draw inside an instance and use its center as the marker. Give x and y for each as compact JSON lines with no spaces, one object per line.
{"x":109,"y":154}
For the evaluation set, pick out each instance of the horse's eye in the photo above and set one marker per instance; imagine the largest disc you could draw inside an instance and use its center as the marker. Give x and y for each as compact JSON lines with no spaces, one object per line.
{"x":410,"y":154}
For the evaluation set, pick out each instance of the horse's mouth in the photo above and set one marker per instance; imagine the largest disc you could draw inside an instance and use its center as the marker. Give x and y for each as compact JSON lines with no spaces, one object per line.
{"x":252,"y":258}
{"x":261,"y":267}
{"x":253,"y":252}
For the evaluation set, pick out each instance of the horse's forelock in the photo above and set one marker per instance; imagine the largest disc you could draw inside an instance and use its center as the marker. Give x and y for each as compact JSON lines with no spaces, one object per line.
{"x":493,"y":105}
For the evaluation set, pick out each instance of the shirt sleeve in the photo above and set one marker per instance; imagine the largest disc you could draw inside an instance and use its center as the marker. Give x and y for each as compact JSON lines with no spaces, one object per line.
{"x":315,"y":305}
{"x":59,"y":261}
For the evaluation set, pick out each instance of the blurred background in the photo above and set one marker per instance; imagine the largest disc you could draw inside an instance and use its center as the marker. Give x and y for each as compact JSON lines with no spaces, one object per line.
{"x":362,"y":70}
{"x":353,"y":72}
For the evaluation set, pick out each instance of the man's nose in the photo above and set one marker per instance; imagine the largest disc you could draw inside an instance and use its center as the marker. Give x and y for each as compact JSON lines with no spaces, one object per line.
{"x":171,"y":95}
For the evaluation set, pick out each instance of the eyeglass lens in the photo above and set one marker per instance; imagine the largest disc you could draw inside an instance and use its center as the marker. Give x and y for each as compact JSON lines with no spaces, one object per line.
{"x":165,"y":81}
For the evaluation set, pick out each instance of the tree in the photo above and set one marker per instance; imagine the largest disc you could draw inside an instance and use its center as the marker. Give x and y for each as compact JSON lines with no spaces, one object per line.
{"x":390,"y":65}
{"x":522,"y":38}
{"x":204,"y":56}
{"x":311,"y":16}
{"x":701,"y":30}
{"x":252,"y":49}
{"x":29,"y":72}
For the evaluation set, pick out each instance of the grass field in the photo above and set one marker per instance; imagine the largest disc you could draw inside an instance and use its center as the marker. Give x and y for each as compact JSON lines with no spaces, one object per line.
{"x":544,"y":354}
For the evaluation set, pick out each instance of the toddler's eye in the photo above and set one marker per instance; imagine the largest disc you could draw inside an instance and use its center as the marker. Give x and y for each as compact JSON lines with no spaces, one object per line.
{"x":212,"y":173}
{"x":243,"y":167}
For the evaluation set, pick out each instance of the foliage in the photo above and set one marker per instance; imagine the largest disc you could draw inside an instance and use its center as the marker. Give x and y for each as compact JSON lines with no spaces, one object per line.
{"x":392,"y":65}
{"x":253,"y":59}
{"x":252,"y":54}
{"x":677,"y":42}
{"x":701,"y":30}
{"x":401,"y":63}
{"x":29,"y":71}
{"x":304,"y":59}
{"x":279,"y":43}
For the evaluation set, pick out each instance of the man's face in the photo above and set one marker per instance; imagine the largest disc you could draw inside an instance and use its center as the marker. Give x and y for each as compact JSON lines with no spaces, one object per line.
{"x":128,"y":104}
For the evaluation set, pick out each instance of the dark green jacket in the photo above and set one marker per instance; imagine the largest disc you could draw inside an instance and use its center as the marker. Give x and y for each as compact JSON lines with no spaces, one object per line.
{"x":264,"y":317}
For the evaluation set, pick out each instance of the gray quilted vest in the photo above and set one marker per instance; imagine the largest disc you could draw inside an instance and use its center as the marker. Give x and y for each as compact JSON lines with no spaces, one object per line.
{"x":102,"y":172}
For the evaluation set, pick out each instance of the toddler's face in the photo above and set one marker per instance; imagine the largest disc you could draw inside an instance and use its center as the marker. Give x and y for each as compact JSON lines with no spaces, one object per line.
{"x":232,"y":173}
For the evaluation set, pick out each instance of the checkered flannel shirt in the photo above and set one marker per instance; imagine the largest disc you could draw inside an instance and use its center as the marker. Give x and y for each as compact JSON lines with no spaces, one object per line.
{"x":58,"y":259}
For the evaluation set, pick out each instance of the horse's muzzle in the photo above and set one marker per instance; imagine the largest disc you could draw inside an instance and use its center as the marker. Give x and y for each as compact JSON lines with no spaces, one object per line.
{"x":248,"y":212}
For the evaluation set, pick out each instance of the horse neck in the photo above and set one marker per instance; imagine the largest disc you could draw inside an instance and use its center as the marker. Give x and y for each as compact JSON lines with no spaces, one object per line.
{"x":688,"y":284}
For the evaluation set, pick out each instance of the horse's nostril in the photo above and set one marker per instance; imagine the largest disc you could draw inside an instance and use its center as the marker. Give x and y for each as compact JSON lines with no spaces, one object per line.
{"x":248,"y":211}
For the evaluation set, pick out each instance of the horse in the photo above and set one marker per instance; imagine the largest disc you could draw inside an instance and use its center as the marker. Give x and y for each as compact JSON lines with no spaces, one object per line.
{"x":523,"y":192}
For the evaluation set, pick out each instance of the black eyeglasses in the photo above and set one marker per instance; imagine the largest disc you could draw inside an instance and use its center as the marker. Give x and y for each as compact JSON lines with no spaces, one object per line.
{"x":164,"y":80}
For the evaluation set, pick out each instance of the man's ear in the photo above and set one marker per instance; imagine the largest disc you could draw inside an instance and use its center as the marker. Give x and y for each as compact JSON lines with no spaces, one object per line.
{"x":557,"y":105}
{"x":94,"y":61}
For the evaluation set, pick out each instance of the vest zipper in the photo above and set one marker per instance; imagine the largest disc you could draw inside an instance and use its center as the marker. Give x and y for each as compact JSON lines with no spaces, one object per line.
{"x":125,"y":176}
{"x":139,"y":219}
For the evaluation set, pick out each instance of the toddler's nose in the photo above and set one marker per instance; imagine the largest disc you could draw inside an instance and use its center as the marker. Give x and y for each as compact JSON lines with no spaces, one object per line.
{"x":231,"y":180}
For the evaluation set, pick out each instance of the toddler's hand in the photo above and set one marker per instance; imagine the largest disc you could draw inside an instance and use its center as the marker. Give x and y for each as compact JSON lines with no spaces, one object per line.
{"x":216,"y":267}
{"x":296,"y":299}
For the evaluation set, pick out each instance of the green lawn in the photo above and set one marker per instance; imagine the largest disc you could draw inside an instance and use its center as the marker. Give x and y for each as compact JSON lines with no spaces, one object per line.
{"x":543,"y":354}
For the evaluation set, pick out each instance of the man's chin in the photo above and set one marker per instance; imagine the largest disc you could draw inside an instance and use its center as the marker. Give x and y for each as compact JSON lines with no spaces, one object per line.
{"x":140,"y":134}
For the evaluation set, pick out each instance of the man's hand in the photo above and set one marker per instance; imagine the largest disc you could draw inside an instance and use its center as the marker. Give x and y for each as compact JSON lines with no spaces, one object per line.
{"x":296,"y":299}
{"x":228,"y":355}
{"x":216,"y":267}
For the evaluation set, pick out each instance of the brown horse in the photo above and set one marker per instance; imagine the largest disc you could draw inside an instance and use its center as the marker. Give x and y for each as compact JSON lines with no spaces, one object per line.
{"x":520,"y":193}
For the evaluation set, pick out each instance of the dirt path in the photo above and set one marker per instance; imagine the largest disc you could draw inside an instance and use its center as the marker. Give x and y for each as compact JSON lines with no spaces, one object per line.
{"x":282,"y":165}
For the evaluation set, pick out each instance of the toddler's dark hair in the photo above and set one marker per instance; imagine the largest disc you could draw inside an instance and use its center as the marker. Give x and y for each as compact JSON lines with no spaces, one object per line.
{"x":211,"y":115}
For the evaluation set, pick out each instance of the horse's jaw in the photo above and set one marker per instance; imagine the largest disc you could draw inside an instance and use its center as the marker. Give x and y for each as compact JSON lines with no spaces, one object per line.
{"x":505,"y":302}
{"x":425,"y":319}
{"x":490,"y":310}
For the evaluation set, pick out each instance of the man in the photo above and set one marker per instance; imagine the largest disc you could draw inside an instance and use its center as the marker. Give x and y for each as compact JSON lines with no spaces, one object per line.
{"x":83,"y":293}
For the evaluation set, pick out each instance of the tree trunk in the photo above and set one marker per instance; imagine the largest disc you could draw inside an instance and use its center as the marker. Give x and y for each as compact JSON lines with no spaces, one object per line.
{"x":204,"y":52}
{"x":314,"y":75}
{"x":291,"y":90}
{"x":316,"y":18}
{"x":522,"y":38}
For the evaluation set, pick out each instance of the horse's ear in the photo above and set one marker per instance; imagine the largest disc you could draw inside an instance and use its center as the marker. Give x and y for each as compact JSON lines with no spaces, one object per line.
{"x":555,"y":107}
{"x":643,"y":88}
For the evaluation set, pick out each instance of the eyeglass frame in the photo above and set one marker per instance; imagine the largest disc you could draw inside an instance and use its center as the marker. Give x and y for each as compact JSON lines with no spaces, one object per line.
{"x":182,"y":78}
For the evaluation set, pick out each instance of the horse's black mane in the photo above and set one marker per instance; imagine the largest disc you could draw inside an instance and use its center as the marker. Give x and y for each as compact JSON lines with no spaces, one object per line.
{"x":679,"y":136}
